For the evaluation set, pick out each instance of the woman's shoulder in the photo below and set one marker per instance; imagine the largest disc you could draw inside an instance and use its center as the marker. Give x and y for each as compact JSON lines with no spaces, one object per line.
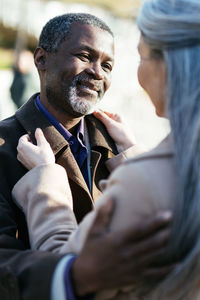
{"x":163,"y":151}
{"x":144,"y":185}
{"x":152,"y":164}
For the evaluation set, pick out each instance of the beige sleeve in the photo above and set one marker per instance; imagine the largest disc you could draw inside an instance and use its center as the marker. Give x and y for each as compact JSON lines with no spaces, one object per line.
{"x":45,"y":197}
{"x":137,"y":193}
{"x":135,"y":199}
{"x":118,"y":159}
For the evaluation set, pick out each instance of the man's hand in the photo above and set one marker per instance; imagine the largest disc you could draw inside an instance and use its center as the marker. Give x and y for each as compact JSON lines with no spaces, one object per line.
{"x":31,"y":155}
{"x":110,"y":260}
{"x":117,"y":129}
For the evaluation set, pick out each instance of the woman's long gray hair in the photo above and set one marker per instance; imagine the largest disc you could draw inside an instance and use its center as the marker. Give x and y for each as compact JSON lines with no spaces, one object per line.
{"x":173,"y":26}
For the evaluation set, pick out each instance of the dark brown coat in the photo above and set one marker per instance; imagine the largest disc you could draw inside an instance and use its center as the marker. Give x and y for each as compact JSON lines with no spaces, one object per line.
{"x":22,"y":269}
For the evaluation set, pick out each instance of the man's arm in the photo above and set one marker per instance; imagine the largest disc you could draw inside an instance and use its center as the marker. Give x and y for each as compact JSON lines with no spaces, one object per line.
{"x":22,"y":270}
{"x":120,"y":258}
{"x":111,"y":259}
{"x":95,"y":268}
{"x":131,"y":249}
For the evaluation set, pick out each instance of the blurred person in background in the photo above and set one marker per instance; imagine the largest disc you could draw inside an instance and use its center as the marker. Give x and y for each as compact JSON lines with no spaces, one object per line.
{"x":167,"y":177}
{"x":74,"y":59}
{"x":24,"y":82}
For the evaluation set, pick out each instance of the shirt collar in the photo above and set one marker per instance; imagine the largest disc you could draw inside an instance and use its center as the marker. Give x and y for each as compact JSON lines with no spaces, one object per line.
{"x":66,"y":134}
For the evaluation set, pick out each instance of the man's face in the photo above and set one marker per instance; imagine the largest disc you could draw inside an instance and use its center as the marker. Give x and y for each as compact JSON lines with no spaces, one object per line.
{"x":79,"y":73}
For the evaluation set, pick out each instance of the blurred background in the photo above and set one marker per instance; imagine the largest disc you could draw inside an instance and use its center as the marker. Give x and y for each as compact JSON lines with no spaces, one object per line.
{"x":21,"y":22}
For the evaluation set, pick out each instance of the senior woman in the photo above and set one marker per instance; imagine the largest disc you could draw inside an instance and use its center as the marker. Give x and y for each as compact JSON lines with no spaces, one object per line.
{"x":168,"y":177}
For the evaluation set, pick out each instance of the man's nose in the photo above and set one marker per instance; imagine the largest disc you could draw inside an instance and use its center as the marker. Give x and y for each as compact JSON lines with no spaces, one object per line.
{"x":96,"y":70}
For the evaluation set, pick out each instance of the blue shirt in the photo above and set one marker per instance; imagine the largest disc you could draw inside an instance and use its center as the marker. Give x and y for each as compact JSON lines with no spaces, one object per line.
{"x":62,"y":287}
{"x":76,"y":143}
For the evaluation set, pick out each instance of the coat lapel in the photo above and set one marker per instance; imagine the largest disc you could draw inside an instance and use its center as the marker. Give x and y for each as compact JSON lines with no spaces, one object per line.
{"x":99,"y":136}
{"x":102,"y":148}
{"x":31,"y":118}
{"x":95,"y":158}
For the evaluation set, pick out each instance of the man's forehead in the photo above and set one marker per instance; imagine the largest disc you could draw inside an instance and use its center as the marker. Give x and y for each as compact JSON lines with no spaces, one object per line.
{"x":87,"y":30}
{"x":91,"y":38}
{"x":80,"y":25}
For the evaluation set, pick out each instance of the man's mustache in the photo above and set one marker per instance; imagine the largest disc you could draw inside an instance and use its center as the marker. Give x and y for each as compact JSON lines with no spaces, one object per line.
{"x":96,"y":85}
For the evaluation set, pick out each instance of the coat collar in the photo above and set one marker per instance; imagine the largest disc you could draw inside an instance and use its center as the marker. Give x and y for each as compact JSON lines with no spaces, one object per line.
{"x":165,"y":148}
{"x":31,"y":118}
{"x":99,"y":136}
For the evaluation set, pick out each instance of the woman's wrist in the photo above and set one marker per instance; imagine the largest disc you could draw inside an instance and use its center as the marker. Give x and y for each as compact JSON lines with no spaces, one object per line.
{"x":84,"y":283}
{"x":124,"y":146}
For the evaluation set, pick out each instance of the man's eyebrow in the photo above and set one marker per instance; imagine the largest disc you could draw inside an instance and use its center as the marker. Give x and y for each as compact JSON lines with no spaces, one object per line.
{"x":92,"y":50}
{"x":86,"y":47}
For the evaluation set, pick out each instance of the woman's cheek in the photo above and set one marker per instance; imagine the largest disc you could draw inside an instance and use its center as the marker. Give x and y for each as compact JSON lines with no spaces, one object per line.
{"x":140,"y":76}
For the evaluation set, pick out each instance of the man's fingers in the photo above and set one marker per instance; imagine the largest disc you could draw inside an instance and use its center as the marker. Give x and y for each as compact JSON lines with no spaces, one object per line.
{"x":153,"y":259}
{"x":103,"y":217}
{"x":152,"y":225}
{"x":161,"y":220}
{"x":158,"y":273}
{"x":151,"y":249}
{"x":152,"y":234}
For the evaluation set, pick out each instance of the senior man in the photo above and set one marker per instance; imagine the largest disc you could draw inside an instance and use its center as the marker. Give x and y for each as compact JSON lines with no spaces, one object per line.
{"x":74,"y":58}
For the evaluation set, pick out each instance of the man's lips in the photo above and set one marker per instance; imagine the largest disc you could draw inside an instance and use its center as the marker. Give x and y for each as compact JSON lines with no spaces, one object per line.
{"x":89,"y":87}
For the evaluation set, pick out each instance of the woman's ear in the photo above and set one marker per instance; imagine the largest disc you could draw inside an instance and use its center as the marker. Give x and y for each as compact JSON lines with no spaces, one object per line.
{"x":40,"y":59}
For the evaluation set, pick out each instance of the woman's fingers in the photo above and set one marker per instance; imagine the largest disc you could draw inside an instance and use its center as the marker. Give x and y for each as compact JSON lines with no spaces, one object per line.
{"x":114,"y":117}
{"x":117,"y":129}
{"x":31,"y":155}
{"x":103,"y":117}
{"x":24,"y":139}
{"x":40,"y":138}
{"x":24,"y":143}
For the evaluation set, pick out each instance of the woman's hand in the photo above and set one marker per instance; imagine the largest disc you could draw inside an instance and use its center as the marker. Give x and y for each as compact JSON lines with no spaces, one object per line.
{"x":31,"y":155}
{"x":117,"y":129}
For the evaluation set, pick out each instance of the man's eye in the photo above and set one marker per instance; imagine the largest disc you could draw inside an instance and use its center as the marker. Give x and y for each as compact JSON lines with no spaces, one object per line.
{"x":83,"y":56}
{"x":107,"y":67}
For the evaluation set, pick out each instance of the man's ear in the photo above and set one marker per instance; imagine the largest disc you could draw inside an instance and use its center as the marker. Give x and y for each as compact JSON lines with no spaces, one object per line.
{"x":40,"y":56}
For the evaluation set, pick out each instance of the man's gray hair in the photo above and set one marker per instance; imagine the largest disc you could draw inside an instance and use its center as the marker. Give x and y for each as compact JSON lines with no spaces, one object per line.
{"x":58,"y":29}
{"x":173,"y":27}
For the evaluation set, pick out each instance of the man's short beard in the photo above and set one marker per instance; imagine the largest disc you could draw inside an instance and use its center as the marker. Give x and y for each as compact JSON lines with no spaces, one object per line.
{"x":67,"y":100}
{"x":81,"y":105}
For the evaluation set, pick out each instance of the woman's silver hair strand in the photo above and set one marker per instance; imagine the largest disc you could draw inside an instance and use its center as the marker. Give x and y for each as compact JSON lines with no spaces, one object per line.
{"x":173,"y":26}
